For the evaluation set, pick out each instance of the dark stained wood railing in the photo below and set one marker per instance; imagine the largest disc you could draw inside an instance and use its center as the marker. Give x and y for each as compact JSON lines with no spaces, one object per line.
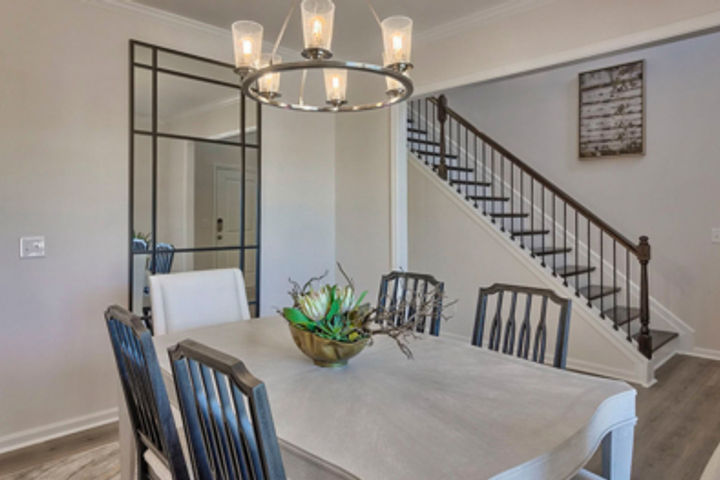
{"x":490,"y":177}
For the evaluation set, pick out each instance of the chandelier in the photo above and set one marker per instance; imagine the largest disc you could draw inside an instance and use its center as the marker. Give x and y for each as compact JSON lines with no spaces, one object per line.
{"x":260,"y":72}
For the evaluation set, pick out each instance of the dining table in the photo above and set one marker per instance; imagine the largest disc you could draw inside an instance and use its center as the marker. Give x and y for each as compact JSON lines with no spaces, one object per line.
{"x":452,"y":411}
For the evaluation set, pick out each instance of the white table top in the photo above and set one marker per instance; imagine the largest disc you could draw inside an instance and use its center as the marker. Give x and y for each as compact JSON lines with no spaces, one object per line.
{"x":455,"y":411}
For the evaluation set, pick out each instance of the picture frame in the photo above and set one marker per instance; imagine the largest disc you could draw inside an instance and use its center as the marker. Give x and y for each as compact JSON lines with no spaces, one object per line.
{"x":611,"y":111}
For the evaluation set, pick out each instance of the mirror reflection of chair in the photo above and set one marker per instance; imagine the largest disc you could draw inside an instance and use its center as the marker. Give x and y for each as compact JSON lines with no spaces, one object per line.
{"x":503,"y":332}
{"x":181,"y":301}
{"x":409,"y":294}
{"x":157,"y":443}
{"x":163,"y":258}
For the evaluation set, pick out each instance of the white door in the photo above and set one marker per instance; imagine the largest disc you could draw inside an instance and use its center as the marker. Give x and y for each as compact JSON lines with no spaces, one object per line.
{"x":228,"y":204}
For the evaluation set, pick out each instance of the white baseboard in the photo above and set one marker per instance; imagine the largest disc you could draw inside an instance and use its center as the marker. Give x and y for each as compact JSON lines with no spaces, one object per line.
{"x":709,"y":353}
{"x":50,"y":431}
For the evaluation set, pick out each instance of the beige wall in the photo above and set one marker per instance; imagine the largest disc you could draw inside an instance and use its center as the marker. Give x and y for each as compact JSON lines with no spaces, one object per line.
{"x":362,"y":189}
{"x":671,"y":194}
{"x":63,"y":173}
{"x":528,"y":35}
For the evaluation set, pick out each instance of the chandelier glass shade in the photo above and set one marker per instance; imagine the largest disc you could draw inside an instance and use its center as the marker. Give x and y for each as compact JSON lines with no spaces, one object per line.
{"x":260,"y":72}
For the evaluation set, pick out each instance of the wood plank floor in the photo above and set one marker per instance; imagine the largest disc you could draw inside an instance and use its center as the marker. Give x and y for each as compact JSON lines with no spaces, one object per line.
{"x":678,"y":426}
{"x":51,"y":450}
{"x":678,"y":421}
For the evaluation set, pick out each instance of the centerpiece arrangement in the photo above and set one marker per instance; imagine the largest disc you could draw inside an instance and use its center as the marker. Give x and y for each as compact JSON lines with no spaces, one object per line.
{"x":330,"y":324}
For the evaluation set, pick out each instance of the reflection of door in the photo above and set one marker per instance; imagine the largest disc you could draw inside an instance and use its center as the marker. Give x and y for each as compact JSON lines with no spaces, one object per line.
{"x":228,"y":202}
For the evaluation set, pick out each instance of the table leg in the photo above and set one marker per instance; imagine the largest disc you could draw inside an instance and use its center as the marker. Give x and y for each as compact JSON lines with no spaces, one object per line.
{"x":617,"y":449}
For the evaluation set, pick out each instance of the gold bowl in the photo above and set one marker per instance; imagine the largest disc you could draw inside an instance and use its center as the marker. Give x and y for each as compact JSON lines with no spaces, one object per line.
{"x":324,"y":352}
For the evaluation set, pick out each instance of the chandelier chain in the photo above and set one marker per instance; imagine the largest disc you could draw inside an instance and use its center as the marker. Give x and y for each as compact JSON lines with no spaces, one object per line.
{"x":284,"y":27}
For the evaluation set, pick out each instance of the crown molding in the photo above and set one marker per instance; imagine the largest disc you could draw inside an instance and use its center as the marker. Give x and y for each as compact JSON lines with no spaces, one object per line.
{"x":179,"y":20}
{"x":468,"y":22}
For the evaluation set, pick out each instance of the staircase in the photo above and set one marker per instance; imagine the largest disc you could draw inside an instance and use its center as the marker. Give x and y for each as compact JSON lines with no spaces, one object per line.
{"x":598,"y":263}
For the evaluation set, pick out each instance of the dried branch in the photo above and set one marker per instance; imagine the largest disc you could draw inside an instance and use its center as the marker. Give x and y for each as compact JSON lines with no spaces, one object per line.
{"x":347,"y":277}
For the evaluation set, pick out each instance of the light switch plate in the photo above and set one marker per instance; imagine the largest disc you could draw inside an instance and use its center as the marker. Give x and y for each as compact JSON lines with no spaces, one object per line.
{"x":716,"y":235}
{"x":32,"y":247}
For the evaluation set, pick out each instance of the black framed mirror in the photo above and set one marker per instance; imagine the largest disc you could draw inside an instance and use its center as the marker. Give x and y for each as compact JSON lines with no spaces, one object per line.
{"x":194,"y":171}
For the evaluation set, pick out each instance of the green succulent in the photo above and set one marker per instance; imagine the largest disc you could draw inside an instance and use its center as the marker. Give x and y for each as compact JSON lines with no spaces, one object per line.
{"x":331,"y":312}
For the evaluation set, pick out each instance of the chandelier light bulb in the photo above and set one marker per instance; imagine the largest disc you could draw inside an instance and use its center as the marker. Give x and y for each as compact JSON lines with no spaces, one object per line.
{"x":269,"y":84}
{"x":335,"y":86}
{"x":317,"y":19}
{"x":397,"y":39}
{"x":247,"y":42}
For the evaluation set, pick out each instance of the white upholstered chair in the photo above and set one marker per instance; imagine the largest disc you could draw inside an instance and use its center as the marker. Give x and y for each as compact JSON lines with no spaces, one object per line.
{"x":181,"y":301}
{"x":712,"y":469}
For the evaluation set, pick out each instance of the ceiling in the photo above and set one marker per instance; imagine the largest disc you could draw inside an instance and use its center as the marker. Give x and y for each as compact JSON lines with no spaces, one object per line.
{"x":355,"y":35}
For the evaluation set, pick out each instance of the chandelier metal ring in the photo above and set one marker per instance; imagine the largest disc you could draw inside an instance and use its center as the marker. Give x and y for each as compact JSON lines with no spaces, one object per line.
{"x":249,"y":81}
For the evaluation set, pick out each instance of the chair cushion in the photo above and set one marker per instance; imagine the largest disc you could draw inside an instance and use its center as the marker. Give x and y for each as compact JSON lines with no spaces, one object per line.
{"x":182,"y":301}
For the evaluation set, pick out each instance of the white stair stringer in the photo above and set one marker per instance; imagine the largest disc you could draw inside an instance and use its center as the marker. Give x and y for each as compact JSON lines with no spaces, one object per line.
{"x":595,"y":347}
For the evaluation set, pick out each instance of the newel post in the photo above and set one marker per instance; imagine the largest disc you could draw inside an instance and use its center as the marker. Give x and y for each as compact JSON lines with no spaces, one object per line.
{"x":644,"y":339}
{"x":442,"y":117}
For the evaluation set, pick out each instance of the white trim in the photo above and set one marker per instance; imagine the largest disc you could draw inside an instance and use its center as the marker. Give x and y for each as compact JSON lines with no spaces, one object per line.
{"x":634,"y":40}
{"x":700,"y":352}
{"x":474,"y":20}
{"x":187,"y":22}
{"x":640,"y":371}
{"x":398,"y":188}
{"x":50,"y":431}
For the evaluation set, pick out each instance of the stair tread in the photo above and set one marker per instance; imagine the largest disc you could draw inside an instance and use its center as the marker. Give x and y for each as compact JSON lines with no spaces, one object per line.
{"x":433,"y":154}
{"x":454,"y":168}
{"x":659,"y":338}
{"x":418,"y":131}
{"x":471,"y":182}
{"x":571,"y":270}
{"x":489,"y":198}
{"x":593,"y":292}
{"x":510,"y":215}
{"x":550,"y":250}
{"x":423,"y":141}
{"x":624,"y":314}
{"x":520,"y":233}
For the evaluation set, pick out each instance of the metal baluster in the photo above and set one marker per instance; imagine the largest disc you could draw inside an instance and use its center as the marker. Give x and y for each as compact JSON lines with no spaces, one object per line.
{"x":554,"y":237}
{"x":589,"y":303}
{"x":627,"y":291}
{"x":577,"y":254}
{"x":565,"y":253}
{"x":522,"y":201}
{"x":492,"y":178}
{"x":542,"y":221}
{"x":615,"y":294}
{"x":484,"y":173}
{"x":532,"y":209}
{"x":475,"y":176}
{"x":512,"y":195}
{"x":467,"y":163}
{"x":602,"y":282}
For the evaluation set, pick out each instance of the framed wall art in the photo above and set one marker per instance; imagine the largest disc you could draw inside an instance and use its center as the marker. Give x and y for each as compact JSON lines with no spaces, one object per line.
{"x":612,"y":111}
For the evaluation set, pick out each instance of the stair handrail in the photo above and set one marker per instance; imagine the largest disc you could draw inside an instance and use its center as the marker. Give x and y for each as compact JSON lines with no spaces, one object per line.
{"x":641,"y":250}
{"x":538,"y":176}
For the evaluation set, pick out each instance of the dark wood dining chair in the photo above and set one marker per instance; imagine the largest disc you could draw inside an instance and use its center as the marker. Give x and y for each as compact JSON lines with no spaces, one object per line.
{"x":156,"y":439}
{"x":403,"y":293}
{"x":512,"y":336}
{"x":228,"y":439}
